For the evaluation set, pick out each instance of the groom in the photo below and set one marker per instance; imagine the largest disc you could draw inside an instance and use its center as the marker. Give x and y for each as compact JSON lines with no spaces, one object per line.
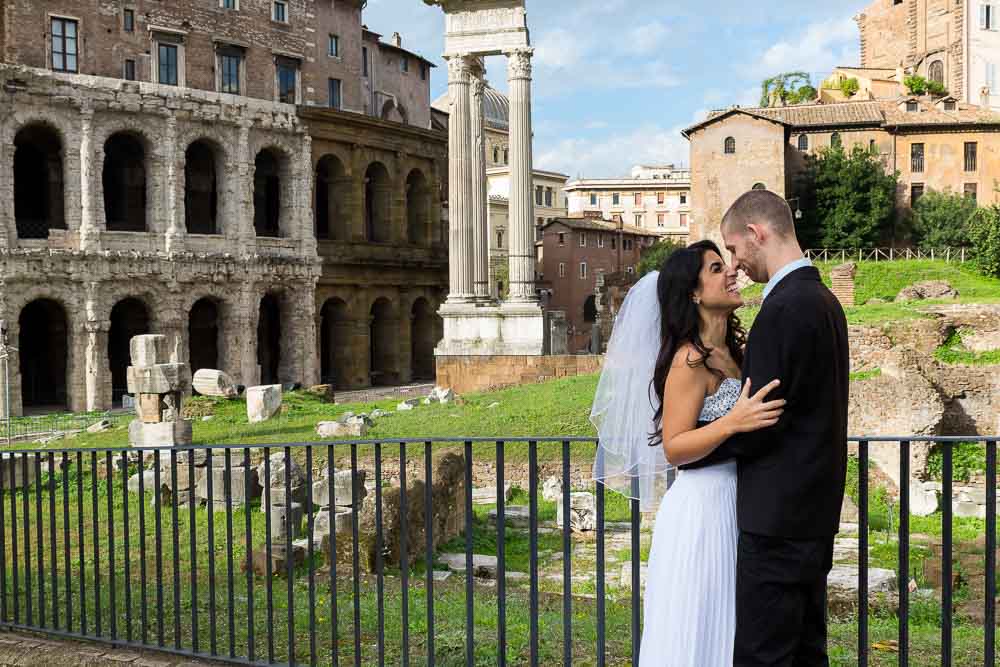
{"x":791,"y":476}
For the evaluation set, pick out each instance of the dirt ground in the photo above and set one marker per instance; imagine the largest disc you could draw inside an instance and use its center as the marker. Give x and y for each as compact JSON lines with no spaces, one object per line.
{"x":23,"y":650}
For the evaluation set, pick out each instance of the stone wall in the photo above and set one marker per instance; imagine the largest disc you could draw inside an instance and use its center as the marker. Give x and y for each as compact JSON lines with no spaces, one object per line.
{"x":474,"y":374}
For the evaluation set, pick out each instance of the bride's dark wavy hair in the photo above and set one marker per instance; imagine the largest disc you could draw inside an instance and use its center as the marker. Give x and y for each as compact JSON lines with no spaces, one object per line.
{"x":680,"y":323}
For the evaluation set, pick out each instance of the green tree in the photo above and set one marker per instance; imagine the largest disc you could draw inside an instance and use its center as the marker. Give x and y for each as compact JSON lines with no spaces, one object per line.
{"x":918,"y":85}
{"x":984,"y":233}
{"x":847,"y":200}
{"x":653,"y":256}
{"x":941,"y":219}
{"x":849,"y":87}
{"x":787,"y":88}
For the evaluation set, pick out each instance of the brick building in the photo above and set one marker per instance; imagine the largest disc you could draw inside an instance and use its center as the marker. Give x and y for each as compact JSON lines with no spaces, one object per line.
{"x":152,"y":175}
{"x":571,"y":254}
{"x":935,"y":144}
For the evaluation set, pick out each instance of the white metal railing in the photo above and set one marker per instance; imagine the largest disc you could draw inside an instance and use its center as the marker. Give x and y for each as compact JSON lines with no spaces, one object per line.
{"x":959,"y":255}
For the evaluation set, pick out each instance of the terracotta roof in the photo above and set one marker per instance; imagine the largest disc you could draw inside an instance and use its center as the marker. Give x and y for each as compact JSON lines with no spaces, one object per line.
{"x":593,"y":224}
{"x":931,"y":113}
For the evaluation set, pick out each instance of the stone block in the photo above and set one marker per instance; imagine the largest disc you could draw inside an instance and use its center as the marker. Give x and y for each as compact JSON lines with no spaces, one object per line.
{"x":164,"y":434}
{"x":483,"y":566}
{"x":923,"y":501}
{"x":583,"y":512}
{"x":148,"y":350}
{"x":148,"y":481}
{"x":299,"y":495}
{"x":322,"y":527}
{"x":487,"y":495}
{"x":148,"y":408}
{"x":236,"y":485}
{"x":514,"y":516}
{"x":341,"y":430}
{"x":277,"y":477}
{"x":158,"y":379}
{"x":341,"y":489}
{"x":322,"y":391}
{"x":279,"y":561}
{"x":263,"y":402}
{"x":286,"y":521}
{"x":848,"y":510}
{"x":210,"y":382}
{"x":552,"y":489}
{"x":99,"y":427}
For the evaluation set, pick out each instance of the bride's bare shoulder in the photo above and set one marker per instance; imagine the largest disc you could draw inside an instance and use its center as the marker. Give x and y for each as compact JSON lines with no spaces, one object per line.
{"x":687,"y":356}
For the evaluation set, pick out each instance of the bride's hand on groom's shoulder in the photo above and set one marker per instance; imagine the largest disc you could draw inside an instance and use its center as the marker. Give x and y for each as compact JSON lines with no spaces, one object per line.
{"x":752,"y":413}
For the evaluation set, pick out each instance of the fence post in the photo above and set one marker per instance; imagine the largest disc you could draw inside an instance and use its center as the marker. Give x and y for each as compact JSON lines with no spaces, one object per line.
{"x":5,"y":356}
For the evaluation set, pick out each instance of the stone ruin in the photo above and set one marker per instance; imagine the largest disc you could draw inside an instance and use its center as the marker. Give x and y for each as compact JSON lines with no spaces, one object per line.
{"x":159,"y":387}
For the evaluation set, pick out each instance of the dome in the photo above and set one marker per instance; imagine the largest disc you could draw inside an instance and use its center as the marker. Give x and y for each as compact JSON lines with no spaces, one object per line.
{"x":496,"y":108}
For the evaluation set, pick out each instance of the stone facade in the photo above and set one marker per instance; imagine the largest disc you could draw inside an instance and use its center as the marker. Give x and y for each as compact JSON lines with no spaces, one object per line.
{"x":484,"y":373}
{"x":395,"y":84}
{"x":159,"y":209}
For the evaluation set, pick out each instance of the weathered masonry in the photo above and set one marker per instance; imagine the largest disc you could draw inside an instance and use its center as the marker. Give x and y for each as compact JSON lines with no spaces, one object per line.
{"x":275,"y":242}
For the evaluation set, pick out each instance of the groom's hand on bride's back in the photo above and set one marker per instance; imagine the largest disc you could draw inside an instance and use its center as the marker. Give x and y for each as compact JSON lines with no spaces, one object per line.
{"x":754,"y":412}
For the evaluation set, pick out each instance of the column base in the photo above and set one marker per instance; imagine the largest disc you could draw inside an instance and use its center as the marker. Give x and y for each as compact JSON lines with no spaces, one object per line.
{"x":494,"y":329}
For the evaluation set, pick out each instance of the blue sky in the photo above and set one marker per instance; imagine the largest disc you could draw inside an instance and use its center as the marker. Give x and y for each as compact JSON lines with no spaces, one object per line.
{"x":616,"y":80}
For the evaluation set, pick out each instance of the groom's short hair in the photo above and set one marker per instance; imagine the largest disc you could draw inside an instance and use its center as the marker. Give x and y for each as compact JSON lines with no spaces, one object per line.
{"x":760,"y":207}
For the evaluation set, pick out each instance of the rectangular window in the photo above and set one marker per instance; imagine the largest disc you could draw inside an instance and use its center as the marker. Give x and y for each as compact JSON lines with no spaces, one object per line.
{"x":583,"y":270}
{"x":538,"y":196}
{"x":130,"y":70}
{"x":600,"y":240}
{"x":987,"y":17}
{"x":548,"y":196}
{"x":614,"y":242}
{"x":971,"y":155}
{"x":287,"y":71}
{"x":128,"y":20}
{"x":562,"y":269}
{"x":684,"y":219}
{"x":912,"y":107}
{"x":917,"y":158}
{"x":583,"y":239}
{"x":661,"y":197}
{"x":404,"y":64}
{"x":364,"y":61}
{"x":64,"y":46}
{"x":593,"y":199}
{"x":333,"y":46}
{"x":423,"y":71}
{"x":626,"y":244}
{"x":971,"y":190}
{"x":638,"y":198}
{"x":280,"y":11}
{"x":167,"y":60}
{"x":229,"y":4}
{"x":684,"y":199}
{"x":916,"y":192}
{"x":661,"y":220}
{"x":229,"y":68}
{"x":334,"y":93}
{"x":616,"y":199}
{"x":562,"y":238}
{"x":638,"y":219}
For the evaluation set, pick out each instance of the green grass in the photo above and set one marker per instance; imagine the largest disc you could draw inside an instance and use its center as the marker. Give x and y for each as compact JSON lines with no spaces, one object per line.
{"x":861,"y":376}
{"x":953,"y":353}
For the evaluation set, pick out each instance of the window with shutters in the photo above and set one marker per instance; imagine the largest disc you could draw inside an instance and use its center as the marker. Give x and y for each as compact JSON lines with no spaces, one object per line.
{"x":916,"y":158}
{"x":64,"y":46}
{"x":971,"y":155}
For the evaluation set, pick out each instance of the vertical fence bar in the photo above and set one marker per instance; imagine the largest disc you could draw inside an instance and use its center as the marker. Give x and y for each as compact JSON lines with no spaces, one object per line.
{"x":175,"y":497}
{"x":248,"y":536}
{"x":567,"y":565}
{"x":97,"y":551}
{"x":355,"y":562}
{"x":601,"y":610}
{"x":636,"y":567}
{"x":230,"y":583}
{"x":989,"y":614}
{"x":470,"y":627}
{"x":404,"y":565}
{"x":66,"y":553}
{"x":193,"y":550}
{"x":53,"y":554}
{"x":25,"y":510}
{"x":863,"y":553}
{"x":112,"y":573}
{"x":429,"y":550}
{"x":533,"y":550}
{"x":379,"y":562}
{"x":310,"y":548}
{"x":143,"y":616}
{"x":331,"y":491}
{"x":13,"y":535}
{"x":904,"y":552}
{"x":269,"y":563}
{"x":501,"y":559}
{"x":289,"y":559}
{"x":210,"y":504}
{"x":3,"y":542}
{"x":39,"y":540}
{"x":125,"y":545}
{"x":947,"y":472}
{"x":79,"y":539}
{"x":158,"y":543}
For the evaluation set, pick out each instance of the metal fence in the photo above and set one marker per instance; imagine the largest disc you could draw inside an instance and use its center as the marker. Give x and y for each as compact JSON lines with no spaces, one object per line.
{"x":86,"y":556}
{"x":29,"y":428}
{"x":959,"y":255}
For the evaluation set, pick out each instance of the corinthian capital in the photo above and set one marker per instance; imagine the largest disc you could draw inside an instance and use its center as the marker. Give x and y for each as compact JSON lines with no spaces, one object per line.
{"x":478,"y":87}
{"x":519,"y":63}
{"x":459,"y":69}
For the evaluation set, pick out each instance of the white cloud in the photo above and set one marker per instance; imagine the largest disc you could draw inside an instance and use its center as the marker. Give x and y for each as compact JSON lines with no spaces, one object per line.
{"x":615,"y":154}
{"x":818,"y":48}
{"x":646,"y":38}
{"x":558,"y":48}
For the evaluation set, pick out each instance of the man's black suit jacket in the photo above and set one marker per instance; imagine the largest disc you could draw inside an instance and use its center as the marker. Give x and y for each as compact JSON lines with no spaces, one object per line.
{"x":791,"y":475}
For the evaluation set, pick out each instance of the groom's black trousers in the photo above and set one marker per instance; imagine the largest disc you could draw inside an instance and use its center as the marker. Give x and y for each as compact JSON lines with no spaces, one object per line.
{"x":781,"y":601}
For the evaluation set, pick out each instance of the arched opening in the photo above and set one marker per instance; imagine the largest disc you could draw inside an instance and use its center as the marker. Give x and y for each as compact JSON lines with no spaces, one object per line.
{"x":417,"y":207}
{"x":203,"y":335}
{"x":759,"y":186}
{"x":201,"y":195}
{"x":378,"y":192}
{"x":43,"y":348}
{"x":334,"y":337}
{"x":423,"y":338}
{"x":590,"y":309}
{"x":935,"y":72}
{"x":381,"y":337}
{"x":267,"y":194}
{"x":394,"y":112}
{"x":332,"y":190}
{"x":124,"y":180}
{"x":803,"y":142}
{"x":730,"y":145}
{"x":835,"y":141}
{"x":269,"y":339}
{"x":38,"y":182}
{"x":129,"y":318}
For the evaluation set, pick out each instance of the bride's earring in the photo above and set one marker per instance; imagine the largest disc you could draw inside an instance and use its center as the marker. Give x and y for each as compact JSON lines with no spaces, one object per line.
{"x":696,"y":300}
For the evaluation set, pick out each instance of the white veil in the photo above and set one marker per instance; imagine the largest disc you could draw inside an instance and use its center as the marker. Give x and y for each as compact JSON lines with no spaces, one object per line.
{"x":625,"y":403}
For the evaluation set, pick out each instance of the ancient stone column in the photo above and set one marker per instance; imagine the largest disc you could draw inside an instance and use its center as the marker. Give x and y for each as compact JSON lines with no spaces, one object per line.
{"x":243,"y":209}
{"x":8,"y":224}
{"x":172,"y":204}
{"x":90,"y":233}
{"x":306,"y":198}
{"x":95,"y":350}
{"x":480,"y":234}
{"x":522,"y":203}
{"x":305,"y":323}
{"x":460,"y":252}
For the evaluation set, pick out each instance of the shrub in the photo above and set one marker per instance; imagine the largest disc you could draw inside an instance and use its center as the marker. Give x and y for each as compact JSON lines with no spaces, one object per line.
{"x":918,"y":85}
{"x":849,"y":87}
{"x":653,"y":256}
{"x":984,"y":235}
{"x":942,"y":219}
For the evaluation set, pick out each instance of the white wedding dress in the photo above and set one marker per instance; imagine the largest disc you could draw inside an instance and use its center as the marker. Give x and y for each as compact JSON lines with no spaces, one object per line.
{"x":690,"y":597}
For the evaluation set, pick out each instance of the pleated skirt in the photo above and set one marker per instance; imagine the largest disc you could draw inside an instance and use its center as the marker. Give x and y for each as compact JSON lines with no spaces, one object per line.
{"x":689,"y":603}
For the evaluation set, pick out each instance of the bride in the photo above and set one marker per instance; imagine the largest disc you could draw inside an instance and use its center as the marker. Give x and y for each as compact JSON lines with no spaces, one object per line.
{"x":678,"y":341}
